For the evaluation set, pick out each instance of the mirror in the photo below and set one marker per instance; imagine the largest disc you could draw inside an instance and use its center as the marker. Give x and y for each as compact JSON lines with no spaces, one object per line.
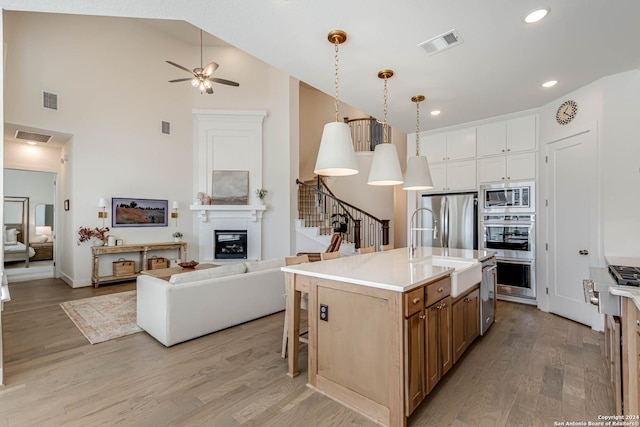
{"x":44,"y":215}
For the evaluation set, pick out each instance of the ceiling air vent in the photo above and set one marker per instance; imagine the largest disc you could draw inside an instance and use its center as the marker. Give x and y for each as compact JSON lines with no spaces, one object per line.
{"x":31,"y":136}
{"x":50,"y":100}
{"x":442,"y":42}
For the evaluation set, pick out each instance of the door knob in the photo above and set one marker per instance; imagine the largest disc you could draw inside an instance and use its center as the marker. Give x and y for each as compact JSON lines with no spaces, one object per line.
{"x":583,"y":252}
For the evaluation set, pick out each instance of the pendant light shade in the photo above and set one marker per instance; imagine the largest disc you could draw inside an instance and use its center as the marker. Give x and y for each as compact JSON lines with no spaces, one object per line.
{"x":336,"y":156}
{"x":385,"y":166}
{"x":418,"y":175}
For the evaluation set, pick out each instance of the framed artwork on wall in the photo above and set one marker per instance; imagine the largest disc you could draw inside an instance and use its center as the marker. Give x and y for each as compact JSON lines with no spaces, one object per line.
{"x":132,"y":212}
{"x":230,"y":188}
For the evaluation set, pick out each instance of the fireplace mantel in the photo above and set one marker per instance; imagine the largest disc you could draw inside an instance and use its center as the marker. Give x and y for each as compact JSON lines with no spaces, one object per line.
{"x":221,"y":211}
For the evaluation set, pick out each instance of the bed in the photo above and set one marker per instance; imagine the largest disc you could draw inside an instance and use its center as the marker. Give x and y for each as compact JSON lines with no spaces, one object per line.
{"x":15,"y":234}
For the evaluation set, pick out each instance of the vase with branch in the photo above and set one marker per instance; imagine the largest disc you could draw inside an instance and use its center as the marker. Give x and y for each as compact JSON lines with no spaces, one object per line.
{"x":261,"y":193}
{"x":99,"y":233}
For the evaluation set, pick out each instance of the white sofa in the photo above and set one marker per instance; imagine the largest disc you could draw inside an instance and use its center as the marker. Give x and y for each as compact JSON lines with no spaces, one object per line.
{"x":200,"y":302}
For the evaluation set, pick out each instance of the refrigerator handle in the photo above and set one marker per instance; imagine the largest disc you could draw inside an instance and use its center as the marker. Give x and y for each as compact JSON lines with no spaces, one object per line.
{"x":445,"y":224}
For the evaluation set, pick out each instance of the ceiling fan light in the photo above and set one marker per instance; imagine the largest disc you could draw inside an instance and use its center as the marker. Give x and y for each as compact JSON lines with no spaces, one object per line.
{"x":207,"y":83}
{"x":418,"y":175}
{"x":195,"y":82}
{"x":336,"y":156}
{"x":385,"y":166}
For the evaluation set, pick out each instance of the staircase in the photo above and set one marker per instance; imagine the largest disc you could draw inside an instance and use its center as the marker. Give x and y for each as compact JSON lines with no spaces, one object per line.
{"x":320,"y":214}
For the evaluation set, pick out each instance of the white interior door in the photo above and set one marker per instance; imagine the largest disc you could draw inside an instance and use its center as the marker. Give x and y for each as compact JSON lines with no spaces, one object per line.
{"x":572,"y":178}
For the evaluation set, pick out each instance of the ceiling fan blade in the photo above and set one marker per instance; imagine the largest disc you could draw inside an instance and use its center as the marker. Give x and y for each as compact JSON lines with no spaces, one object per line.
{"x":181,"y":80}
{"x":210,"y":68}
{"x":224,"y":82}
{"x":210,"y":90}
{"x":180,"y":66}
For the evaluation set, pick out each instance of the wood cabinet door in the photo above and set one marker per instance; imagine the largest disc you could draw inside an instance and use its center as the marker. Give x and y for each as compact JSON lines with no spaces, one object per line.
{"x":414,"y":360}
{"x":446,"y":346}
{"x":459,"y":324}
{"x":432,"y":341}
{"x":472,"y":316}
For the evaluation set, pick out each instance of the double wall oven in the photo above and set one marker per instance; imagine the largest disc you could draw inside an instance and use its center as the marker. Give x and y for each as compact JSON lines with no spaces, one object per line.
{"x":507,"y":223}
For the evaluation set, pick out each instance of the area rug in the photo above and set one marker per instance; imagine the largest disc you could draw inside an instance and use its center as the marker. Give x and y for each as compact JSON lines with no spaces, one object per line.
{"x":105,"y":317}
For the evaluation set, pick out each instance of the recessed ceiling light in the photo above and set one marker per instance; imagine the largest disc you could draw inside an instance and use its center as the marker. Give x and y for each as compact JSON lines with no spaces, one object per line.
{"x":435,"y":112}
{"x":535,"y":15}
{"x":550,"y":83}
{"x":32,"y":143}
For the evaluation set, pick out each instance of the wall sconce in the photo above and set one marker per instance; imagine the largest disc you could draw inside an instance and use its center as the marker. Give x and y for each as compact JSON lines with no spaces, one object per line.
{"x":102,"y":213}
{"x":174,"y":214}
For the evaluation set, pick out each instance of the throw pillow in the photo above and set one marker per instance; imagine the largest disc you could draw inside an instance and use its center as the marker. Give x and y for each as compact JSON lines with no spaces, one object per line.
{"x":266,"y":264}
{"x":209,"y":273}
{"x":11,"y":236}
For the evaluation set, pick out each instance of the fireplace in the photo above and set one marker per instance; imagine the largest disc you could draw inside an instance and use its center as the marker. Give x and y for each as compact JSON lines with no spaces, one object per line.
{"x":230,"y":244}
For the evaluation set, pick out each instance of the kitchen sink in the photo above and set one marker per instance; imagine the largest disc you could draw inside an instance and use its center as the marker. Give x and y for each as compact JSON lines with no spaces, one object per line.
{"x":466,"y":274}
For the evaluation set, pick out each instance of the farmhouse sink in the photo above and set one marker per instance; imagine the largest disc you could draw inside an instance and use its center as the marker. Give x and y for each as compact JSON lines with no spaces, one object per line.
{"x":466,"y":274}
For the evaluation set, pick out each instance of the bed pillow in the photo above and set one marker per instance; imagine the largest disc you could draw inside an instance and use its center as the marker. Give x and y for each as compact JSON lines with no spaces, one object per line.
{"x":11,"y":237}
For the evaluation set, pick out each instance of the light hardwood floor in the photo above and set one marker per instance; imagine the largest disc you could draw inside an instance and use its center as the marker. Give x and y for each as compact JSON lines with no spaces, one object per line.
{"x":532,"y":368}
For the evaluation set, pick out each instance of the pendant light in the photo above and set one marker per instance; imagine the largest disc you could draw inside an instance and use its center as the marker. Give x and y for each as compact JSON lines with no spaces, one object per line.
{"x":385,"y":166}
{"x":336,"y":156}
{"x":418,"y":176}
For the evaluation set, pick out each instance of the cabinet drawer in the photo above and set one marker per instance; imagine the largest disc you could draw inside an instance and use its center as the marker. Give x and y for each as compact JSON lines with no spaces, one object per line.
{"x":438,"y":290}
{"x":413,"y":301}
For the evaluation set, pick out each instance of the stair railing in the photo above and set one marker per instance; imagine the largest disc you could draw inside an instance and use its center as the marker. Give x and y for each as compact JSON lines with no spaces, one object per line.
{"x":320,"y":207}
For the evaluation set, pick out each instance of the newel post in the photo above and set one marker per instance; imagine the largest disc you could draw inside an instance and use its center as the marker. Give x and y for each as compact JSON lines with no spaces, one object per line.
{"x":356,"y":232}
{"x":385,"y":231}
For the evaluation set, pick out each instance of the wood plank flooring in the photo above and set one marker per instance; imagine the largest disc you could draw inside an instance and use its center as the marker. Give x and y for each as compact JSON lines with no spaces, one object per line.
{"x":532,"y":368}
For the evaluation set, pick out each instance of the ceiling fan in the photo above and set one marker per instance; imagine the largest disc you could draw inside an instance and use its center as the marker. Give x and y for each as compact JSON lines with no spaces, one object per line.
{"x":202,"y":78}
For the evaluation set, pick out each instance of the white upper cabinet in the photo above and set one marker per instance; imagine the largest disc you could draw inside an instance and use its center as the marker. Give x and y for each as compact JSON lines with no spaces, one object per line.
{"x":492,"y":139}
{"x":453,"y":176}
{"x":434,"y":147}
{"x":506,"y":168}
{"x":507,"y":136}
{"x":461,"y":144}
{"x":455,"y":145}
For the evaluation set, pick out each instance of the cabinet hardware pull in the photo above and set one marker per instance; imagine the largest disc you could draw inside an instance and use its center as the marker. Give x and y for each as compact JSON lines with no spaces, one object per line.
{"x":416,"y":300}
{"x":503,"y":150}
{"x":440,"y":289}
{"x":508,"y":177}
{"x":508,"y":149}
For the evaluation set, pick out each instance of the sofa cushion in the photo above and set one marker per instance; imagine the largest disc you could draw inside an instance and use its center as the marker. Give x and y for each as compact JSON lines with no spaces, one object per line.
{"x":264,"y":264}
{"x":209,"y":273}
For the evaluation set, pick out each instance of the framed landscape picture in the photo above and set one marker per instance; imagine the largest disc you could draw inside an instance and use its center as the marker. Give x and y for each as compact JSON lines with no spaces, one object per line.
{"x":131,"y":212}
{"x":230,"y":188}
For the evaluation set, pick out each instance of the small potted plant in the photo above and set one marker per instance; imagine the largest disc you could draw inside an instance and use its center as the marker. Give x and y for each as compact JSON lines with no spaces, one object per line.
{"x":261,"y":193}
{"x":177,"y":236}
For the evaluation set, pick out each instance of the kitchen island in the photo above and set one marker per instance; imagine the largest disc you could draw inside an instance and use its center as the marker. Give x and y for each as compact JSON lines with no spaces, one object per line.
{"x":380,"y":325}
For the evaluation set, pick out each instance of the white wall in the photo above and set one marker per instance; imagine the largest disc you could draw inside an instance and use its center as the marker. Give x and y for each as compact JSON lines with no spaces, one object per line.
{"x":111,"y":79}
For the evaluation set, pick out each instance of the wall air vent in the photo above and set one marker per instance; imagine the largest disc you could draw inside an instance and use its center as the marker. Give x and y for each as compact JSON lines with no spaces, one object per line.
{"x":166,"y":128}
{"x":50,"y":100}
{"x":442,"y":42}
{"x":31,"y":136}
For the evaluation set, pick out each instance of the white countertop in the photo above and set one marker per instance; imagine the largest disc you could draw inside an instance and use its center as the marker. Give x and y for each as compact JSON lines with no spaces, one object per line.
{"x":628,"y":292}
{"x":392,"y":270}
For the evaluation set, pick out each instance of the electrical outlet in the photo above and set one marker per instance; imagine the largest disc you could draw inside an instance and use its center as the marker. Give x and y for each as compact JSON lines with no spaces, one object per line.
{"x":324,"y":312}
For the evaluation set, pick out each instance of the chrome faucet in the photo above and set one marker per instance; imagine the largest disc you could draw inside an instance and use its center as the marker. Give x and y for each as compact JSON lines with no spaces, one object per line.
{"x":412,"y":248}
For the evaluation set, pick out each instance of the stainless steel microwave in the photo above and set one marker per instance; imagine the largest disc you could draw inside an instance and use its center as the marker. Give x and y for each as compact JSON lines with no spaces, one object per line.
{"x":511,"y":197}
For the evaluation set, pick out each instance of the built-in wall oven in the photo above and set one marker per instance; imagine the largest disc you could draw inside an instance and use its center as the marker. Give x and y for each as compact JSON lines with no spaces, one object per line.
{"x":507,"y":222}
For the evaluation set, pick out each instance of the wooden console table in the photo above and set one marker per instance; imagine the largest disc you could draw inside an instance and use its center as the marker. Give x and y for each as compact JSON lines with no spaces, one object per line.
{"x":143,"y":249}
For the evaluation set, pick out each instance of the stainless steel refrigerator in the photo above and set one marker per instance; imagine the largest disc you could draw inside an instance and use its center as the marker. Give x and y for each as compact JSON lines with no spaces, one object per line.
{"x":457,"y":216}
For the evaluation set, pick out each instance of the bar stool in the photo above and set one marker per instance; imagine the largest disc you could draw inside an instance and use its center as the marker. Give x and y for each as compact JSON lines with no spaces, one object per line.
{"x":367,"y":250}
{"x":329,"y":255}
{"x":304,"y":304}
{"x":386,"y":247}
